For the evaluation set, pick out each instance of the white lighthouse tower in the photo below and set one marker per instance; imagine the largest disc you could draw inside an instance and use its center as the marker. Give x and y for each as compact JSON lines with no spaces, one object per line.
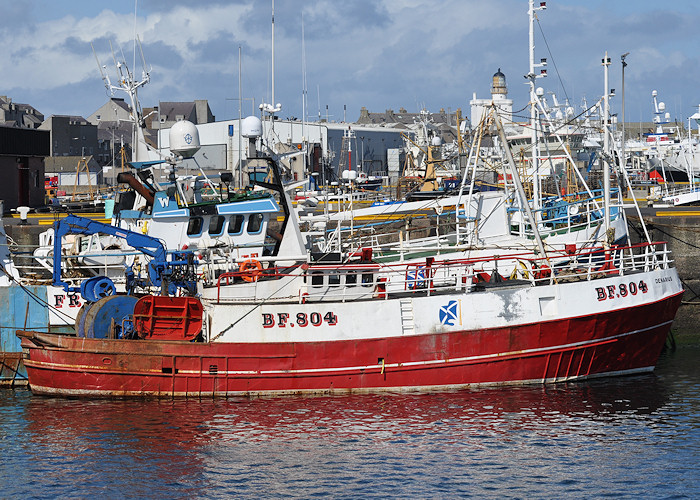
{"x":499,"y":97}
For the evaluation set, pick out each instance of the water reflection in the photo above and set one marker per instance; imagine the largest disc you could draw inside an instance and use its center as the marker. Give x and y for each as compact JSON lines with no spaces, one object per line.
{"x":490,"y":442}
{"x":376,"y":417}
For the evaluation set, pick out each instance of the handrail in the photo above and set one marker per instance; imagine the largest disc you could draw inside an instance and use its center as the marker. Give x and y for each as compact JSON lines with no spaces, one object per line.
{"x":432,"y":275}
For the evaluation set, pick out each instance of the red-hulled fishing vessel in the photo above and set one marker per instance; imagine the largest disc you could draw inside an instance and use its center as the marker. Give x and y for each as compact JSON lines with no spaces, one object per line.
{"x":294,"y":322}
{"x":380,"y":344}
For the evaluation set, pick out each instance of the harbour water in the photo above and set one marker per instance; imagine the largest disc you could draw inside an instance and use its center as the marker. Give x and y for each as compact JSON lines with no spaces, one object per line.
{"x":626,"y":437}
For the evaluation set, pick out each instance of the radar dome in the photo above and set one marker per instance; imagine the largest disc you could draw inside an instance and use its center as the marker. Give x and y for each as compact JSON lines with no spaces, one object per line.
{"x":435,"y":141}
{"x":184,"y":139}
{"x":251,"y":127}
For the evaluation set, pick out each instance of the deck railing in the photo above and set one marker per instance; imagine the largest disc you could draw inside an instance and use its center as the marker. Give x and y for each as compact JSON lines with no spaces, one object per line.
{"x":368,"y":280}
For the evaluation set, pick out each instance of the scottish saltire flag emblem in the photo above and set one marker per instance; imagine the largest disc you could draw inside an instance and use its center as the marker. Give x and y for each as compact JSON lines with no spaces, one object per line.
{"x":448,"y":313}
{"x":415,"y":278}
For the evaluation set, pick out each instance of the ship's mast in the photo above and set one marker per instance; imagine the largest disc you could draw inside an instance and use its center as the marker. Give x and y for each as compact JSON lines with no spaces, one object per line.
{"x":606,"y":143}
{"x":272,"y":108}
{"x":273,"y":52}
{"x":531,"y":76}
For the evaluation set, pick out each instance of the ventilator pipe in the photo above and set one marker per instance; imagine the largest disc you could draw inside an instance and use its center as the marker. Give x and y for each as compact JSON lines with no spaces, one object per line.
{"x":136,"y":185}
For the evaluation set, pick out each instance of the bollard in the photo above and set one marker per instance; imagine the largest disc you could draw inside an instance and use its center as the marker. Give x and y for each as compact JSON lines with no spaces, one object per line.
{"x":23,"y":211}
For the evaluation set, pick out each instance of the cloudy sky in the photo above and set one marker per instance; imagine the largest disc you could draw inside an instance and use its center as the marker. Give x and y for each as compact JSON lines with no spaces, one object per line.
{"x":375,"y":53}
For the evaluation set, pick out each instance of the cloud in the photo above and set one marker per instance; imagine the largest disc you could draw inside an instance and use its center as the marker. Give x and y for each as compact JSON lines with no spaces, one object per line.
{"x":375,"y":53}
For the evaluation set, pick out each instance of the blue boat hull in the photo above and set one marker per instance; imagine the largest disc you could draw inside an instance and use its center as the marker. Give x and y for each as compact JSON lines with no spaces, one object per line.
{"x":19,"y":306}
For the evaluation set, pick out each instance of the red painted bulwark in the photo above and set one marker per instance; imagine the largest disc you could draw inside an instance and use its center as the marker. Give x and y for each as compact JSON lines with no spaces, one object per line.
{"x":615,"y":342}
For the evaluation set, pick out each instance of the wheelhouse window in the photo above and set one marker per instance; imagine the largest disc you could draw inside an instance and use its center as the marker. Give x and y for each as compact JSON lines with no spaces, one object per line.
{"x":194,"y":227}
{"x":367,"y":279}
{"x":235,"y":224}
{"x":216,"y":225}
{"x":316,"y":279}
{"x":334,"y":279}
{"x":351,"y":278}
{"x":255,"y":223}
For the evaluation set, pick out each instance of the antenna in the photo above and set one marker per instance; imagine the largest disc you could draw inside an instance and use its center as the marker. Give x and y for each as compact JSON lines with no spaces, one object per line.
{"x":103,"y":71}
{"x":146,"y":74}
{"x":135,"y":9}
{"x":114,"y":58}
{"x":272,"y":108}
{"x":128,"y":84}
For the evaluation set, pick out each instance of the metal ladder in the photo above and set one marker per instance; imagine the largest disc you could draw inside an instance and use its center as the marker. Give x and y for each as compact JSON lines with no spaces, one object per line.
{"x":407,"y":318}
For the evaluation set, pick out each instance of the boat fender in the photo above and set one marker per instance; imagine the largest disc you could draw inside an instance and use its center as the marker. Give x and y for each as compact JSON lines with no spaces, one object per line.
{"x":542,"y":272}
{"x":250,"y":270}
{"x":380,"y":289}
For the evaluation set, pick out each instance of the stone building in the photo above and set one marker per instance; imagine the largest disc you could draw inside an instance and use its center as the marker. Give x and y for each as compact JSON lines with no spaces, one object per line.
{"x":18,"y":115}
{"x":71,"y":135}
{"x":165,"y":115}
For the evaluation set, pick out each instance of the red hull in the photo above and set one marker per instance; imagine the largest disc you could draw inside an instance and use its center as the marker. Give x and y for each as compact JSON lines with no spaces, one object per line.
{"x":617,"y":342}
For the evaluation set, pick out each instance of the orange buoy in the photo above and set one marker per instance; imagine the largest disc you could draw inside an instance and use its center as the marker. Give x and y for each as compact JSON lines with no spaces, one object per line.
{"x":250,"y":270}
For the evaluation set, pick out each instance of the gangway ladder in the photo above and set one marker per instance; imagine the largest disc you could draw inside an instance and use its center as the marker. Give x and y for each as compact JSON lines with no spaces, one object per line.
{"x":408,"y":326}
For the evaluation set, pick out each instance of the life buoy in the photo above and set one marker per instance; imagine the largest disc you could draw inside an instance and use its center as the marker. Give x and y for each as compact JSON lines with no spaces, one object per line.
{"x":250,"y":270}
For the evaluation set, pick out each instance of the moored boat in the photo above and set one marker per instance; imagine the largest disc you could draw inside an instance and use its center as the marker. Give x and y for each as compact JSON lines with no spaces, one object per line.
{"x":421,"y":339}
{"x":285,"y":324}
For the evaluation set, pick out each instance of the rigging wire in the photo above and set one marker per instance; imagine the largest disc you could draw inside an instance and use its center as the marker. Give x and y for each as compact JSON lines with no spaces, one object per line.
{"x":552,"y":58}
{"x":36,"y":298}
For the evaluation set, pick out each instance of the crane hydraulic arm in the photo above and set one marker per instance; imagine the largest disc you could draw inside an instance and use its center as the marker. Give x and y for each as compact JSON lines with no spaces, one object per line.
{"x":160,"y":269}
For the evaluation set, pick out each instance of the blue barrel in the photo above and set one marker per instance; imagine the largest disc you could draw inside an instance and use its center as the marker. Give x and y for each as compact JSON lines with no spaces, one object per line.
{"x":109,"y":209}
